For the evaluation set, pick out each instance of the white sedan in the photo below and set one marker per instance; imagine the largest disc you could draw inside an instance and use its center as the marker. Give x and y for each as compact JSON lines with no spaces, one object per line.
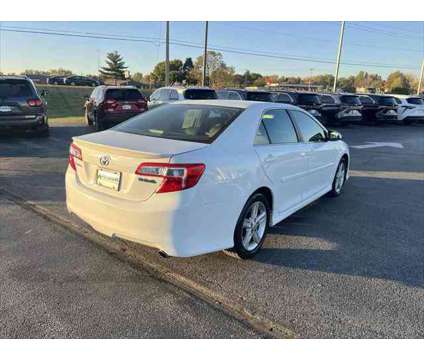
{"x":195,"y":177}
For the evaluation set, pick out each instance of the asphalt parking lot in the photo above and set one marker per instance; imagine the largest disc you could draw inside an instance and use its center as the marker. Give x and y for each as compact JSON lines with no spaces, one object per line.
{"x":345,"y":267}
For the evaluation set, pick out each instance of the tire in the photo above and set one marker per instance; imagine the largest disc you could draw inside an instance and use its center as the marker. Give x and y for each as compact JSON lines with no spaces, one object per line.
{"x":93,"y":84}
{"x":72,"y":83}
{"x":245,"y":246}
{"x":55,"y":83}
{"x":339,"y":179}
{"x":98,"y":124}
{"x":406,"y":122}
{"x":88,"y":121}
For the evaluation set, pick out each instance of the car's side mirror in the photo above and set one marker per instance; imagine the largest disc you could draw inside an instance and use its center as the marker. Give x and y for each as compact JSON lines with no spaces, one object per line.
{"x":334,"y":135}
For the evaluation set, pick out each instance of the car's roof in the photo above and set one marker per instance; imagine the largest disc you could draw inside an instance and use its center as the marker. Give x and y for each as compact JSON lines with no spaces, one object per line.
{"x":14,"y":77}
{"x":242,"y":104}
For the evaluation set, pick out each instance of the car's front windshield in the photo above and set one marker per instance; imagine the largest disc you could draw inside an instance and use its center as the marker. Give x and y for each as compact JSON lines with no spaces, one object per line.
{"x":198,"y":123}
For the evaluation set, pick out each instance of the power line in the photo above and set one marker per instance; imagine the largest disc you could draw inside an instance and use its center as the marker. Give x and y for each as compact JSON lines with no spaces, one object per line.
{"x":370,"y":29}
{"x":199,"y":46}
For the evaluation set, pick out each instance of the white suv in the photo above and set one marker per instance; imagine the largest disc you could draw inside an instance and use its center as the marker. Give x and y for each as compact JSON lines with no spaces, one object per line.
{"x":410,"y":109}
{"x":170,"y":94}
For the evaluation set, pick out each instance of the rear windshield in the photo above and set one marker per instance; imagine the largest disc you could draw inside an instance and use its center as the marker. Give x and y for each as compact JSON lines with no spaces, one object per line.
{"x":198,"y":123}
{"x":387,"y":101}
{"x":309,"y":99}
{"x":283,"y":98}
{"x":123,"y":94}
{"x":200,"y":94}
{"x":258,"y":96}
{"x":327,"y":99}
{"x":15,"y":89}
{"x":350,"y":100}
{"x":415,"y":101}
{"x":366,"y":100}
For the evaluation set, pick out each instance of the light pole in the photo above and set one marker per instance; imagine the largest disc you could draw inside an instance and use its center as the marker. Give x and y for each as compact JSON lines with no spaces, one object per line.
{"x":420,"y":81}
{"x":205,"y":55}
{"x":167,"y":55}
{"x":339,"y":53}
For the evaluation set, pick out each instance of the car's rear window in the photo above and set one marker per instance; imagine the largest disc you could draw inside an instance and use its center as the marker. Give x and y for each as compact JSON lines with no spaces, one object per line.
{"x":283,"y":98}
{"x":123,"y":94}
{"x":309,"y":99}
{"x":387,"y":101}
{"x":350,"y":100}
{"x":258,"y":96}
{"x":415,"y":101}
{"x":327,"y":99}
{"x":198,"y":123}
{"x":366,"y":100}
{"x":15,"y":89}
{"x":200,"y":94}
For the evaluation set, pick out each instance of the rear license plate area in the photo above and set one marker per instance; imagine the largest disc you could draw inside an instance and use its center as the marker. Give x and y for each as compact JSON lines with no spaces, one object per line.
{"x":108,"y":179}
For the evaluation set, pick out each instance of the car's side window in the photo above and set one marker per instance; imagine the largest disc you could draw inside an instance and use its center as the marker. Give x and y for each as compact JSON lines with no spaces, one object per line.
{"x":311,"y":131}
{"x":164,"y":94}
{"x":232,"y":95}
{"x":154,"y":96}
{"x":261,"y":137}
{"x":279,"y":127}
{"x":173,"y":95}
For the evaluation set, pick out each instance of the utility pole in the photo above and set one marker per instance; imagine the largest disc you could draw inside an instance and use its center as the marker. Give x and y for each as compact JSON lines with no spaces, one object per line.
{"x":167,"y":55}
{"x":420,"y":81}
{"x":339,"y":53}
{"x":205,"y":55}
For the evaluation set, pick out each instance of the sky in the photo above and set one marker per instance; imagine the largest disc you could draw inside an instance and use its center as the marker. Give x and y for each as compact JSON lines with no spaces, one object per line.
{"x":282,"y":48}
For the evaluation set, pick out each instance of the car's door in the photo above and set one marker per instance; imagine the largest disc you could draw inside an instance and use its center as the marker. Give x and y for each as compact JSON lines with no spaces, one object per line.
{"x":283,"y":158}
{"x":321,"y":154}
{"x":154,"y":99}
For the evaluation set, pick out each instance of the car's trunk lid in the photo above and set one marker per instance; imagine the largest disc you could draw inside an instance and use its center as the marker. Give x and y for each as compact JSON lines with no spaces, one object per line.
{"x":116,"y":156}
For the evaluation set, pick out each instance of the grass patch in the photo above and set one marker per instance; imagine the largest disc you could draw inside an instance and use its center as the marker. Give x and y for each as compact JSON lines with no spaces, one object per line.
{"x":68,"y":101}
{"x":70,"y":120}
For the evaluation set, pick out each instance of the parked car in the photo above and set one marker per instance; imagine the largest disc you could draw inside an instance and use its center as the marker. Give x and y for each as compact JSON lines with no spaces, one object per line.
{"x":340,"y":109}
{"x":311,"y":102}
{"x":110,"y":105}
{"x":194,"y":177}
{"x":55,"y":80}
{"x":242,"y":94}
{"x":166,"y":95}
{"x":22,"y":106}
{"x":282,"y":98}
{"x":410,"y":108}
{"x":76,"y":80}
{"x":378,"y":108}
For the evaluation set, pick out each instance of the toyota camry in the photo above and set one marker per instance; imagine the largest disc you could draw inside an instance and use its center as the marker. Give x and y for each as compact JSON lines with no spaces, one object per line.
{"x":195,"y":177}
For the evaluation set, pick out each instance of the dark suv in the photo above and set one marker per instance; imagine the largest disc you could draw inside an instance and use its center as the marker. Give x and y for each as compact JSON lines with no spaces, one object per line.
{"x":21,"y":106}
{"x":242,"y":94}
{"x":75,"y":80}
{"x":109,"y":105}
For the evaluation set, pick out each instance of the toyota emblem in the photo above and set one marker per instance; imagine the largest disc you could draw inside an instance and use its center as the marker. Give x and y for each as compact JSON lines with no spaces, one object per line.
{"x":104,"y":160}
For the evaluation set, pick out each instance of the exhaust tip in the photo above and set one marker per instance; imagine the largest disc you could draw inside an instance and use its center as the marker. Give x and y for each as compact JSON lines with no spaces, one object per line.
{"x":163,"y":254}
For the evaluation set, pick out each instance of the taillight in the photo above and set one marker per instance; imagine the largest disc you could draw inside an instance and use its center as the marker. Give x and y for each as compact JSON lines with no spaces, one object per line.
{"x":176,"y":177}
{"x":74,"y":152}
{"x":110,"y":105}
{"x":34,"y":102}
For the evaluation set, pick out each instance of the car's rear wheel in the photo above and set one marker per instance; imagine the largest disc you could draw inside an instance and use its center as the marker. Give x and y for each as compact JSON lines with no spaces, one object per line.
{"x":339,"y":178}
{"x":97,"y":123}
{"x":251,"y":227}
{"x":72,"y":83}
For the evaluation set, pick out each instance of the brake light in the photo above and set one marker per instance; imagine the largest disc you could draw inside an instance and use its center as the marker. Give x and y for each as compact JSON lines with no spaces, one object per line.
{"x":110,"y":105}
{"x":34,"y":102}
{"x":176,"y":177}
{"x":74,"y":152}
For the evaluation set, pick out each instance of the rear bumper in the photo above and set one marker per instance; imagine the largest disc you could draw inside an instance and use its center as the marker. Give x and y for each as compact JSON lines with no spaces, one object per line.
{"x":177,"y":223}
{"x":23,"y":122}
{"x":115,"y":118}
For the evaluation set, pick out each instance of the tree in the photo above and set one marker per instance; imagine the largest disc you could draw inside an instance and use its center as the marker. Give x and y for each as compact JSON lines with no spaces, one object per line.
{"x":175,"y":71}
{"x":115,"y":66}
{"x":347,"y":84}
{"x":137,"y":76}
{"x":398,"y":82}
{"x":60,"y":72}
